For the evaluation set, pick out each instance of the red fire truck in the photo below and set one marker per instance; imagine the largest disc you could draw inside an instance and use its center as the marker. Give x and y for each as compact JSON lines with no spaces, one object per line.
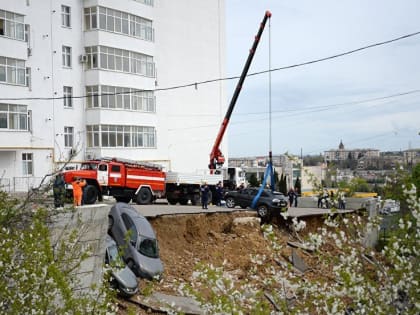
{"x":125,"y":180}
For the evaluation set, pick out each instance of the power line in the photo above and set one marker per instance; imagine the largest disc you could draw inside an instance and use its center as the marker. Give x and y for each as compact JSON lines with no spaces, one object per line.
{"x":306,"y":110}
{"x":195,"y":84}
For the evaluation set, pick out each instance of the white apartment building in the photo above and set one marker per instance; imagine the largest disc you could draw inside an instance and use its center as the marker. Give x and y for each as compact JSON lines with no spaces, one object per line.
{"x":94,"y":78}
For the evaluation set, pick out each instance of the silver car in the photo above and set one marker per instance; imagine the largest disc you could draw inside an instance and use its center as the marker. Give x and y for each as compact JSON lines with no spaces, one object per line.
{"x":122,"y":278}
{"x":136,"y":239}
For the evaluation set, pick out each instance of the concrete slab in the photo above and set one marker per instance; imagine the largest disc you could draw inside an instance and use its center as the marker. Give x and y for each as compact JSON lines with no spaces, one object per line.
{"x":91,"y":224}
{"x":164,"y":303}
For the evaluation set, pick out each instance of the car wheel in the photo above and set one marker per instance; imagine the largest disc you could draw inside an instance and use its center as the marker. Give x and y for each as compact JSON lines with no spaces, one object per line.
{"x":262,"y":211}
{"x":230,"y":202}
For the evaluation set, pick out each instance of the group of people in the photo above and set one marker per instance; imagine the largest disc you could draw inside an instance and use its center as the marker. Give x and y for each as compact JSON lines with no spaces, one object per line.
{"x":205,"y":194}
{"x":293,"y":197}
{"x":327,"y":199}
{"x":59,"y":190}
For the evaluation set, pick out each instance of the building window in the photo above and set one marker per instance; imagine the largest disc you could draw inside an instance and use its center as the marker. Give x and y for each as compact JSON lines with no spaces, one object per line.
{"x":27,"y":164}
{"x":12,"y":71}
{"x":118,"y":22}
{"x":120,"y":98}
{"x":65,"y":16}
{"x":66,"y":54}
{"x":120,"y":136}
{"x":68,"y":137}
{"x":12,"y":25}
{"x":68,"y":96}
{"x":115,"y":59}
{"x":146,"y":2}
{"x":13,"y":117}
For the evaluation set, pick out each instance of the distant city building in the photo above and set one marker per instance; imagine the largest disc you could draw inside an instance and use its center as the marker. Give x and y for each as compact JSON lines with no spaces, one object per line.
{"x":342,"y":154}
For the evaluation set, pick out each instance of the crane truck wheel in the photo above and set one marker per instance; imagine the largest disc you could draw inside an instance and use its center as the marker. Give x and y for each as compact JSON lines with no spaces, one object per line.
{"x":183,"y":202}
{"x":91,"y":194}
{"x":195,"y":200}
{"x":172,"y":201}
{"x":144,"y":197}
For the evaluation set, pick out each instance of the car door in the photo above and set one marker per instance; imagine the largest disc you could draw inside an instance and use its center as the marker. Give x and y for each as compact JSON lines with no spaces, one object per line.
{"x":243,"y":198}
{"x":116,"y":177}
{"x":102,"y":174}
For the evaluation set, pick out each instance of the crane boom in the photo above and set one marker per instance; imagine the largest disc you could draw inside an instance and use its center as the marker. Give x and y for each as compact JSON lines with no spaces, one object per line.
{"x":216,"y":156}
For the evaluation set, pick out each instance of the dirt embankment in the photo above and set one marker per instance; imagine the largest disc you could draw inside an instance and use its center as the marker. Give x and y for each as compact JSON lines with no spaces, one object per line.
{"x":216,"y":239}
{"x":213,"y":238}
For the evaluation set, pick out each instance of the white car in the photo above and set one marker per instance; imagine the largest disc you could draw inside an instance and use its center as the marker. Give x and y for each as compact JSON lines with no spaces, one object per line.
{"x":390,"y":206}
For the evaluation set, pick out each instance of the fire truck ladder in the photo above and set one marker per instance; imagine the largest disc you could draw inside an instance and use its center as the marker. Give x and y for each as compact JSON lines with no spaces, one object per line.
{"x":133,"y":163}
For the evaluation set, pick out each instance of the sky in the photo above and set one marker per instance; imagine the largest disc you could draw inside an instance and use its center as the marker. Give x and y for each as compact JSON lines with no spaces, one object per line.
{"x":367,"y":99}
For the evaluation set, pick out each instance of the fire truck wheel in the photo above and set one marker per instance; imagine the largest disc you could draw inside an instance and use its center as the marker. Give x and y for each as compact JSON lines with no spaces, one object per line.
{"x":144,"y":197}
{"x":91,"y":194}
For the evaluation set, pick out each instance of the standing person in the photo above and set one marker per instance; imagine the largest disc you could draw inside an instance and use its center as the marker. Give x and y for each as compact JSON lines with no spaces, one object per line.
{"x":219,"y":194}
{"x":291,"y":195}
{"x":78,"y":184}
{"x":204,"y":195}
{"x":295,"y":196}
{"x":320,"y":200}
{"x":325,"y":198}
{"x":341,"y":201}
{"x":59,"y":191}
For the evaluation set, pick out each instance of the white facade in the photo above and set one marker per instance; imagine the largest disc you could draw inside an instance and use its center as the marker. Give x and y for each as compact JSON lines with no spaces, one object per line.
{"x":74,"y":72}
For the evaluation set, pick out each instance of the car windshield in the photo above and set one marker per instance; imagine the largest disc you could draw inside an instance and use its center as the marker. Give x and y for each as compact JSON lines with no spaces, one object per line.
{"x":148,"y":247}
{"x":113,"y":253}
{"x":114,"y":257}
{"x":277,"y":193}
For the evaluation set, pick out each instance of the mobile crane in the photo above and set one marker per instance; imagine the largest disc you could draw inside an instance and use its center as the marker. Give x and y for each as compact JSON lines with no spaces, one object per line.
{"x":216,"y":156}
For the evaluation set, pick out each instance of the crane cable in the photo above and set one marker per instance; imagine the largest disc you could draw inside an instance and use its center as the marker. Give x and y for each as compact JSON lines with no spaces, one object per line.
{"x":269,"y":168}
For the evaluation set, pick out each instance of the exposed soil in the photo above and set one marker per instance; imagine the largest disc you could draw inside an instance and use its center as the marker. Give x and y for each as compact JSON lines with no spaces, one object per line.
{"x":213,"y":238}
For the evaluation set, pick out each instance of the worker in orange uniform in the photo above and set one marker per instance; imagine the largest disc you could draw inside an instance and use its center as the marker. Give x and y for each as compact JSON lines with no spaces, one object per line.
{"x":78,"y":184}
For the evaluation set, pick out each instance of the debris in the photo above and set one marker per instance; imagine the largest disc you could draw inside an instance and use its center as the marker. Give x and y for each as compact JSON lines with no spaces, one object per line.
{"x":300,"y":245}
{"x":271,"y":299}
{"x":298,"y":262}
{"x":252,"y":221}
{"x":160,"y":302}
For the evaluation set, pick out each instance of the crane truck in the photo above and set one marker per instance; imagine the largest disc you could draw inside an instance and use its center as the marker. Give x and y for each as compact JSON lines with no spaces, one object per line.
{"x":216,"y":156}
